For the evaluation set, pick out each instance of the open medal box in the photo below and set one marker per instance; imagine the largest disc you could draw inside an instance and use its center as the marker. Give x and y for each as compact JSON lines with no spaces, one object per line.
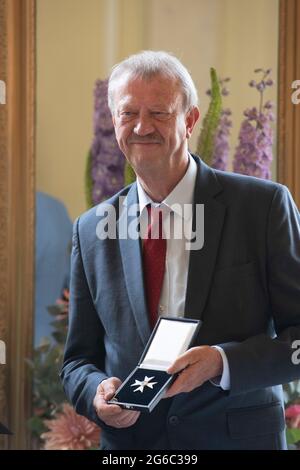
{"x":146,"y":384}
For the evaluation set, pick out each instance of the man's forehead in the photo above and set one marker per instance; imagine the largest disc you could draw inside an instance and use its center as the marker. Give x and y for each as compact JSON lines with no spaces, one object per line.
{"x":159,"y":98}
{"x":157,"y":88}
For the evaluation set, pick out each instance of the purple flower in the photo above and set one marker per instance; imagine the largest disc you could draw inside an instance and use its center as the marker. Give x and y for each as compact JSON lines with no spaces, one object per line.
{"x":261,"y":86}
{"x":253,"y":155}
{"x":268,"y":105}
{"x":107,"y":166}
{"x":221,"y":148}
{"x":221,"y":142}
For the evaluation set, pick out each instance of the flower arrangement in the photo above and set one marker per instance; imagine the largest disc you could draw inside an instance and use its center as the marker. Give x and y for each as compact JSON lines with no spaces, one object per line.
{"x":70,"y":431}
{"x":253,"y":154}
{"x":55,"y":424}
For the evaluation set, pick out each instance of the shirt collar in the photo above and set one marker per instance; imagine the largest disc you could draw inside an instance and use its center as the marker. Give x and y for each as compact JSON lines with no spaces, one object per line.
{"x":182,"y":193}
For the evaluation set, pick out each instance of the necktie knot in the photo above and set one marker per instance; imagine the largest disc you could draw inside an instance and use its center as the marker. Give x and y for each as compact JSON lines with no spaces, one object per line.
{"x":155,"y":222}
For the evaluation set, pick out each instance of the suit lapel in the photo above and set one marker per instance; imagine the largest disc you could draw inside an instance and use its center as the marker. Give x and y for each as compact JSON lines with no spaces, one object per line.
{"x":131,"y":254}
{"x":202,"y":262}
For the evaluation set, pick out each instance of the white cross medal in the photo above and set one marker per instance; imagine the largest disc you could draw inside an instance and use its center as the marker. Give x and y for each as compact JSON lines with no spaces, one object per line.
{"x":141,"y":384}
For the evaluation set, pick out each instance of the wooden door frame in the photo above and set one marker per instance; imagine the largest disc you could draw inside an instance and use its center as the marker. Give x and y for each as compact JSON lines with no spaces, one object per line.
{"x":17,"y":204}
{"x":288,"y":160}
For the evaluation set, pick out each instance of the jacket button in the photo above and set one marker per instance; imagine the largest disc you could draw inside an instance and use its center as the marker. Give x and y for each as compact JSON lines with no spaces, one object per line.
{"x":174,"y":420}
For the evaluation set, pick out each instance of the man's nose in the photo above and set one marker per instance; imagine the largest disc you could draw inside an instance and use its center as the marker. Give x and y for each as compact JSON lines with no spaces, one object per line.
{"x":143,"y":126}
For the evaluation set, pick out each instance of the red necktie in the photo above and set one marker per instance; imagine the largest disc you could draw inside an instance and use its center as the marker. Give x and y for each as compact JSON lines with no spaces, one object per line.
{"x":154,"y":257}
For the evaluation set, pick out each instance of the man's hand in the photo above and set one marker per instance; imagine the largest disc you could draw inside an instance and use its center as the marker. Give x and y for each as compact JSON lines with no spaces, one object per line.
{"x":195,"y":366}
{"x":112,"y":415}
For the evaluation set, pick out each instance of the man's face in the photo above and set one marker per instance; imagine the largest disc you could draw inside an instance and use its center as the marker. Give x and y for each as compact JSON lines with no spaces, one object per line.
{"x":150,"y":125}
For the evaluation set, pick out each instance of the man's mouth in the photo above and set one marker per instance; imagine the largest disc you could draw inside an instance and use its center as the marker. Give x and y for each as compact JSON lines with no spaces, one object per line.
{"x":144,"y":143}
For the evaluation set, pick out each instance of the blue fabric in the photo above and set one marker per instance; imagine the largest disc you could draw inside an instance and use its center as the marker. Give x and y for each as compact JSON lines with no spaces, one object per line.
{"x":52,"y":259}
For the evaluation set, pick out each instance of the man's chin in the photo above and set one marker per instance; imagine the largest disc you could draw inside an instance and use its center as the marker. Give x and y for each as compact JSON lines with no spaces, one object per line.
{"x":145,"y":151}
{"x":142,"y":162}
{"x":147,"y":155}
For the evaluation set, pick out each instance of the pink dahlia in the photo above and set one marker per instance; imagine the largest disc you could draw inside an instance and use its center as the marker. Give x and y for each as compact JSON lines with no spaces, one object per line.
{"x":292,"y":414}
{"x":70,"y":431}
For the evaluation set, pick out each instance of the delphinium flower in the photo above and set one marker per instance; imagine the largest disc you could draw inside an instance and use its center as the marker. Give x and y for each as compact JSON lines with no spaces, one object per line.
{"x":106,"y":161}
{"x":70,"y":431}
{"x":221,"y":146}
{"x":205,"y":144}
{"x":253,"y":155}
{"x":221,"y":142}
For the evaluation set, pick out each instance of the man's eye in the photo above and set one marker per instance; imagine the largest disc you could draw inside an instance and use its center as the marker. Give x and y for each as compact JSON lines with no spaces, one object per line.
{"x":160,"y":114}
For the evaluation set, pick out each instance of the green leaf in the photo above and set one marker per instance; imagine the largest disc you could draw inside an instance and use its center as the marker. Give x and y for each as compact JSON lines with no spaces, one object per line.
{"x":89,"y":181}
{"x":30,"y":363}
{"x":59,"y":336}
{"x":54,"y":310}
{"x":60,"y":325}
{"x":44,"y":345}
{"x":211,"y":120}
{"x":292,"y":435}
{"x":36,"y":425}
{"x":129,"y":174}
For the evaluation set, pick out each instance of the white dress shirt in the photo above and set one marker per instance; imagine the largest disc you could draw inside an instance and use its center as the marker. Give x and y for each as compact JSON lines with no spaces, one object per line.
{"x":177,"y":220}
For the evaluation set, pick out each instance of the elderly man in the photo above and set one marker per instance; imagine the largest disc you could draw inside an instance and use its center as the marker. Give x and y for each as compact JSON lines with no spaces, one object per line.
{"x":243,"y":283}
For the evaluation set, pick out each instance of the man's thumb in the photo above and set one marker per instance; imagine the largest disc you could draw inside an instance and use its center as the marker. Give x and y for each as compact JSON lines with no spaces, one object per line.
{"x":109,"y":392}
{"x":109,"y":388}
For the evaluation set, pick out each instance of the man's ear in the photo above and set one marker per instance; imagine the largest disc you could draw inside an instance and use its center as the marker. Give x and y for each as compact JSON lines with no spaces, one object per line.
{"x":191,"y":118}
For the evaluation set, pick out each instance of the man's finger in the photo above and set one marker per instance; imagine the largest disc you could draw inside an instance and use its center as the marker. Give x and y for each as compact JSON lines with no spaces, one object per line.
{"x":174,"y":388}
{"x":109,"y":387}
{"x":104,"y":409}
{"x":180,"y":363}
{"x":109,"y":393}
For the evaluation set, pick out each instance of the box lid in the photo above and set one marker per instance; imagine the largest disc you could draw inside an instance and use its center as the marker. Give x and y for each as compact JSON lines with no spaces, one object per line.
{"x":170,"y":338}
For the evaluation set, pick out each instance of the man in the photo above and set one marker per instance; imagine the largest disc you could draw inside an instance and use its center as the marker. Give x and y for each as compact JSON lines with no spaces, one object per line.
{"x":244,"y":283}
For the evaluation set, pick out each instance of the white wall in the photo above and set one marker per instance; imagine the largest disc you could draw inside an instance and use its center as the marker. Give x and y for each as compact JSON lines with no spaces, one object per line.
{"x":234,"y":36}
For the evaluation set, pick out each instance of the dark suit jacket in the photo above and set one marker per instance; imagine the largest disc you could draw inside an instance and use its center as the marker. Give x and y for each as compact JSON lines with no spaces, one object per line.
{"x":245,"y":286}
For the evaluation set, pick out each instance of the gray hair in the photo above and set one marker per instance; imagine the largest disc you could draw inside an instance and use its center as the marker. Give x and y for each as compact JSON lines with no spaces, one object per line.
{"x":147,"y":64}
